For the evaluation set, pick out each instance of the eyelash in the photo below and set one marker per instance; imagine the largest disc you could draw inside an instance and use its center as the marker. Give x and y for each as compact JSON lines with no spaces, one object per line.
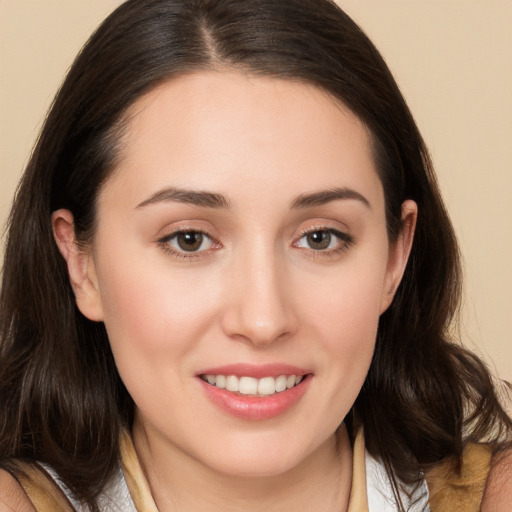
{"x":345,"y":242}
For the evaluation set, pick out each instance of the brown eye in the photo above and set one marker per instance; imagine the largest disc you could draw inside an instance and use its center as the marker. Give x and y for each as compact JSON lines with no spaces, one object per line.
{"x":319,"y":240}
{"x":190,"y":241}
{"x":324,"y":240}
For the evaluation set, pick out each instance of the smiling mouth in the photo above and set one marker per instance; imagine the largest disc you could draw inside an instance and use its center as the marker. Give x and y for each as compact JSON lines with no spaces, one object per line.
{"x":266,"y":386}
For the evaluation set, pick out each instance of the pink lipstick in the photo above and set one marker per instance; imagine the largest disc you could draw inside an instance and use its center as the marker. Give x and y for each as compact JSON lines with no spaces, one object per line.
{"x":255,"y":392}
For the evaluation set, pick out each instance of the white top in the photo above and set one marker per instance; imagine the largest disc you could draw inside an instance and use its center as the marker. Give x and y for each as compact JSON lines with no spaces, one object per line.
{"x":114,"y":498}
{"x":380,"y":492}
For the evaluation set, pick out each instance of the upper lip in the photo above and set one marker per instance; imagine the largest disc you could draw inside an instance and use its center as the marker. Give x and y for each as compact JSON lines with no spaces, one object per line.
{"x":257,"y":371}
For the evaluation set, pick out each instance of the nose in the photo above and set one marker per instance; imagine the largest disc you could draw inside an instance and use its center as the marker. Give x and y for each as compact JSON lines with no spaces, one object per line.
{"x":260,"y":307}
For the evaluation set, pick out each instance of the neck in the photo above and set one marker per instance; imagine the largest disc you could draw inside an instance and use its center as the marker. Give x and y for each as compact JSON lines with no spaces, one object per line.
{"x":320,"y":482}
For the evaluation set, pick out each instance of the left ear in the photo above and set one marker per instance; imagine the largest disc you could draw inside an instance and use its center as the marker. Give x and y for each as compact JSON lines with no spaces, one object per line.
{"x":399,"y":251}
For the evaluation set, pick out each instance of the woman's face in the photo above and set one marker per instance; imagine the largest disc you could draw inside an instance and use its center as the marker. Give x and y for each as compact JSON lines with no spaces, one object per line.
{"x":241,"y":241}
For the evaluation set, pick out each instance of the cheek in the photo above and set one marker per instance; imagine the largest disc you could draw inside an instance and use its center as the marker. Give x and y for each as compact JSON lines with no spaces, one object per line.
{"x":347,"y":305}
{"x":153,"y":317}
{"x":155,"y":324}
{"x":344,"y":317}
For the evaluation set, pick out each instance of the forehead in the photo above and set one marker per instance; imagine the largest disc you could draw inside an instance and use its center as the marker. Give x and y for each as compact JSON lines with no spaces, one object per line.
{"x":213,"y":130}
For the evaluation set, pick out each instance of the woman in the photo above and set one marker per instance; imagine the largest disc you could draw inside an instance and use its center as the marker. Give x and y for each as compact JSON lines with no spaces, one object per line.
{"x":229,"y":265}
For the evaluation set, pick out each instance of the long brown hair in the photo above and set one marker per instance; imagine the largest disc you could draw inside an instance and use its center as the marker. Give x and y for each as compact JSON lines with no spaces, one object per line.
{"x":61,"y":399}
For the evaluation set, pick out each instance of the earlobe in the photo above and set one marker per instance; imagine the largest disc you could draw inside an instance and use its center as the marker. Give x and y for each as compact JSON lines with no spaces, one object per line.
{"x":80,"y":264}
{"x":399,"y":252}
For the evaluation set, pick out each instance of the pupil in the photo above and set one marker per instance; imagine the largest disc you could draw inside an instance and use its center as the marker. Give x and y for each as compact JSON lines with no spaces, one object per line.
{"x":190,"y":241}
{"x":319,"y":240}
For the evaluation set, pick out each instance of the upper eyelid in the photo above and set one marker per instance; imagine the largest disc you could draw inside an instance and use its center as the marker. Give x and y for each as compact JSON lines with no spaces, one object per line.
{"x":323,"y":223}
{"x":179,"y":230}
{"x":312,"y":229}
{"x":170,"y":231}
{"x":331,"y":229}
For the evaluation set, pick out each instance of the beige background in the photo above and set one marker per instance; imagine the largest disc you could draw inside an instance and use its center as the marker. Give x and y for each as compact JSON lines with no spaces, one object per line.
{"x":453,"y":61}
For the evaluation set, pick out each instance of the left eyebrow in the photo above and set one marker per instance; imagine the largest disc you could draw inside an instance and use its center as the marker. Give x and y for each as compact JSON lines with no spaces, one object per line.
{"x":194,"y":197}
{"x":326,"y":196}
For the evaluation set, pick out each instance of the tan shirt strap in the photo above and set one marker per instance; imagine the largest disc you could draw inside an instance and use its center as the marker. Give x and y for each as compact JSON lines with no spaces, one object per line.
{"x":452,"y":492}
{"x":134,"y":476}
{"x":41,"y":489}
{"x":358,"y":498}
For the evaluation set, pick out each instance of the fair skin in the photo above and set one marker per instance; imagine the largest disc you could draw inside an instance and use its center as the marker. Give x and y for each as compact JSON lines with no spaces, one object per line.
{"x":284,"y":269}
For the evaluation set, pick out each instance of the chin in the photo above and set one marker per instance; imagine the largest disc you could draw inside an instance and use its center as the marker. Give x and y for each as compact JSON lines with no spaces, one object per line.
{"x":261,"y":460}
{"x":243,"y":468}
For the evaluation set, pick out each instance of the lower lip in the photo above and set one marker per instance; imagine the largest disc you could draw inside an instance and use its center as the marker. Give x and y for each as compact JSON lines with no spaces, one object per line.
{"x":256,"y":408}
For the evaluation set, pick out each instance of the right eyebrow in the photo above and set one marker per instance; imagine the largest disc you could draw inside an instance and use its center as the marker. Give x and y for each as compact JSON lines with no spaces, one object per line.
{"x":194,"y":197}
{"x":326,"y":196}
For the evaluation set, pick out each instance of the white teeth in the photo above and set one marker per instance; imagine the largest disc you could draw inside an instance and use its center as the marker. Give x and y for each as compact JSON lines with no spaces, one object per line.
{"x":267,"y":386}
{"x":281,"y":383}
{"x":250,"y":386}
{"x":232,"y":383}
{"x":220,"y":381}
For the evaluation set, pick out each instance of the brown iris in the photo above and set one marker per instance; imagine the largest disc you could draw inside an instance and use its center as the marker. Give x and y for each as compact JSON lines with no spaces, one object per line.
{"x":189,"y":241}
{"x":319,"y":240}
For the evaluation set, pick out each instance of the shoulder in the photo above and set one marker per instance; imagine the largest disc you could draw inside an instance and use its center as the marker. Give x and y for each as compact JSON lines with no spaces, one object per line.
{"x":498,"y":489}
{"x":12,"y":496}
